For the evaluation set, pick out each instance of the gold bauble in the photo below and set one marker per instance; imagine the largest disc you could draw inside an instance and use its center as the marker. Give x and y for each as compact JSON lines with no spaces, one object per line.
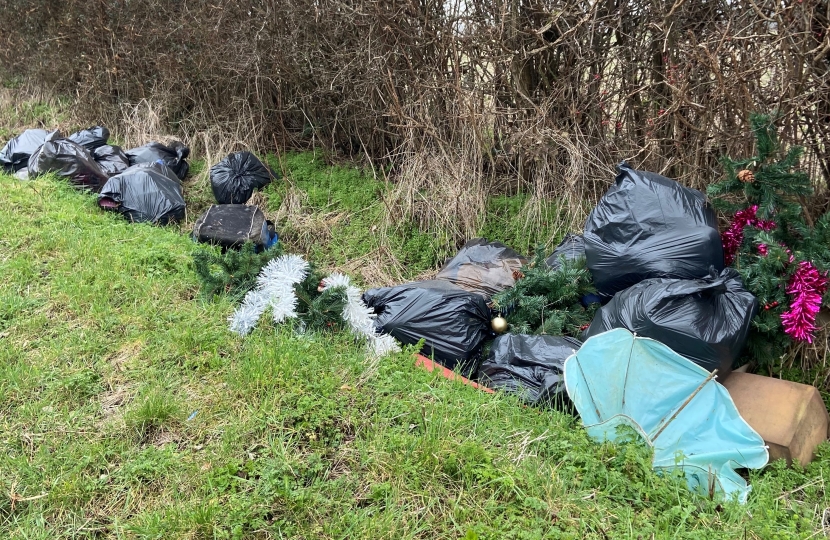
{"x":499,"y":325}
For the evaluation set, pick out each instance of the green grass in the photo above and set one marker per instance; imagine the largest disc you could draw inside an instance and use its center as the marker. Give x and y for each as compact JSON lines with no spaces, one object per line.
{"x":506,"y":221}
{"x":128,"y":410}
{"x":346,"y":214}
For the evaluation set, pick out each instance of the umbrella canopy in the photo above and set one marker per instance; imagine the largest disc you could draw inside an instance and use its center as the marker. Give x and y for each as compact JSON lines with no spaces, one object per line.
{"x":618,"y":379}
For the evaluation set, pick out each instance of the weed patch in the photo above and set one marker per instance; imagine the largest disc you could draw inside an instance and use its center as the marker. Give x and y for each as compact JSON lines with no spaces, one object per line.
{"x":155,"y":408}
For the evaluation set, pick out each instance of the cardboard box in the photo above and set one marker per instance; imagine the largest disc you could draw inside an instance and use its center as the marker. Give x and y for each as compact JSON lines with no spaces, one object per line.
{"x":791,"y":417}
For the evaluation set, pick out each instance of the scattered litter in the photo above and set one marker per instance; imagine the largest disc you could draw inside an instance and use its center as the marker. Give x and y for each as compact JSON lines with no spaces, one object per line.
{"x":654,"y":254}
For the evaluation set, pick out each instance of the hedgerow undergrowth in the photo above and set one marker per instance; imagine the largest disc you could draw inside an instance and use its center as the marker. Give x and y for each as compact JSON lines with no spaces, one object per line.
{"x":128,"y":410}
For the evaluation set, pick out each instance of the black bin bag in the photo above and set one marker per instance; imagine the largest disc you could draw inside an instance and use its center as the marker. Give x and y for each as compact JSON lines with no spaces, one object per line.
{"x":15,"y":154}
{"x":173,"y":156}
{"x":91,"y":138}
{"x":482,"y":267}
{"x":112,"y":159}
{"x":571,"y":248}
{"x":530,"y":366}
{"x":706,"y":320}
{"x":235,"y":178}
{"x":149,"y":192}
{"x":453,"y":322}
{"x":69,"y":160}
{"x":231,"y":225}
{"x":648,"y":226}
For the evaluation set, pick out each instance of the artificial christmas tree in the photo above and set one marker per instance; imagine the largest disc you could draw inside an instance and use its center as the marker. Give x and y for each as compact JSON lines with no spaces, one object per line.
{"x":547,"y":300}
{"x":780,"y":251}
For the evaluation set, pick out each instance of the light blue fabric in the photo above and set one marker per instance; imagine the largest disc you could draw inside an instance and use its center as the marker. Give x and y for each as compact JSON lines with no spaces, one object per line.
{"x":618,"y":379}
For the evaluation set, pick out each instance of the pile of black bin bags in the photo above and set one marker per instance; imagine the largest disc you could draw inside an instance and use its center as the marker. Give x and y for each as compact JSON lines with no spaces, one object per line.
{"x":451,"y":315}
{"x":655,"y":255}
{"x":143,"y":184}
{"x":656,"y":258}
{"x":651,"y":245}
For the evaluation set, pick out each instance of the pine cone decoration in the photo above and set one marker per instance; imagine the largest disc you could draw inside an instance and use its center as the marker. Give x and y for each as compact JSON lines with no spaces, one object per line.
{"x":746,"y":176}
{"x":517,"y":275}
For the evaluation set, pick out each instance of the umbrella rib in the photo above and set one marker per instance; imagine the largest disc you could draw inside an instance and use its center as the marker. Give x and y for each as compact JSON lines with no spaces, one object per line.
{"x":683,"y":406}
{"x":588,"y":387}
{"x":627,"y":368}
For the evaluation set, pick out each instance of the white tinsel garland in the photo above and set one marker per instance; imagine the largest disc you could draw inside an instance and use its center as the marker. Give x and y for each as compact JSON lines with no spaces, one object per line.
{"x":360,"y":318}
{"x":275,"y":289}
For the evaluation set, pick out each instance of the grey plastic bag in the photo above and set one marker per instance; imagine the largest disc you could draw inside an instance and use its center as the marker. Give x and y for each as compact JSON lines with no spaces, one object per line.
{"x":483,"y":267}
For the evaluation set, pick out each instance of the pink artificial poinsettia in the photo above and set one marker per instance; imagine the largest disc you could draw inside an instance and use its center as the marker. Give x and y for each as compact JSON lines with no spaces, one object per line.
{"x":807,"y":285}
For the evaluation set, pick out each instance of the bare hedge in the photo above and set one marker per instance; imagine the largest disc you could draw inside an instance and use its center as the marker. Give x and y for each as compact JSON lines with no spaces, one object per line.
{"x":533,"y":95}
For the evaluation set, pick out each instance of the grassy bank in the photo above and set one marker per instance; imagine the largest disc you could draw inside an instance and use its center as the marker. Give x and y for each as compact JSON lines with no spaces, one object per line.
{"x":127,"y":410}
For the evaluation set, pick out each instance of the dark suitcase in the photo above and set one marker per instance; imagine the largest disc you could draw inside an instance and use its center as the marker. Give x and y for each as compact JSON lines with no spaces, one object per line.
{"x":231,"y":225}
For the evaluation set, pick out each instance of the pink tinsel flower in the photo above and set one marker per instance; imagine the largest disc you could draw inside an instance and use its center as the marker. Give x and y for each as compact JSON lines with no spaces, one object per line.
{"x":732,"y":237}
{"x":790,"y":256}
{"x":807,"y":285}
{"x":764,"y":224}
{"x":762,"y":250}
